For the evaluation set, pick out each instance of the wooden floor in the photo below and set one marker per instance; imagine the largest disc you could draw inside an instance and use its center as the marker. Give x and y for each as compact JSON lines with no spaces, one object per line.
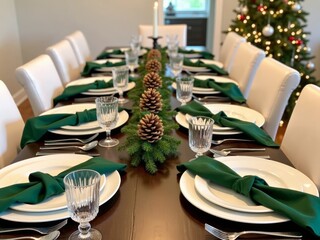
{"x":26,"y":112}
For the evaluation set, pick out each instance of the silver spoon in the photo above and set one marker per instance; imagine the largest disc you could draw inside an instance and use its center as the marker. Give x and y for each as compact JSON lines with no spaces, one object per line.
{"x":85,"y":147}
{"x":217,"y":142}
{"x":51,"y":236}
{"x":73,"y":139}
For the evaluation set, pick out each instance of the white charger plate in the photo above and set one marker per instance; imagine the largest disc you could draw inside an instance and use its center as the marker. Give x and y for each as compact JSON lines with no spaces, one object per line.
{"x":202,"y":69}
{"x":187,"y":187}
{"x":107,"y":91}
{"x":142,"y":52}
{"x":112,"y":185}
{"x":236,"y":111}
{"x":89,"y":80}
{"x":71,"y":109}
{"x":123,"y":118}
{"x":108,"y":69}
{"x":274,"y":173}
{"x":206,"y":91}
{"x":21,"y":173}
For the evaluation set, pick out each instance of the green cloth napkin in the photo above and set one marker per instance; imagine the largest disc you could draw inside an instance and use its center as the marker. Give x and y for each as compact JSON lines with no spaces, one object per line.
{"x":199,"y":63}
{"x":72,"y":91}
{"x":252,"y":130}
{"x":106,"y":54}
{"x":41,"y":186}
{"x":91,"y":67}
{"x":204,"y":54}
{"x":229,"y":89}
{"x":301,"y":208}
{"x":38,"y":126}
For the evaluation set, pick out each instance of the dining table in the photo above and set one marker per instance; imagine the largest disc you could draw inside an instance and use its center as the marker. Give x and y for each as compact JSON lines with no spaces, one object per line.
{"x":152,"y":206}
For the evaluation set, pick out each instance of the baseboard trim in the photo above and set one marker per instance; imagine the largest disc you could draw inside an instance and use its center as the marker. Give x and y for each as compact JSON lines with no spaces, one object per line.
{"x":20,"y":96}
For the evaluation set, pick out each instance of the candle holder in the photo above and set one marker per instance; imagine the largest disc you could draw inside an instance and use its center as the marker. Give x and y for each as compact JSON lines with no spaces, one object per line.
{"x":155,"y":42}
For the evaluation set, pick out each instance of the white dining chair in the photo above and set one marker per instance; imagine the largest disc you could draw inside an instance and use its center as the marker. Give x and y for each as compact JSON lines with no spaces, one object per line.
{"x":272,"y":86}
{"x":228,"y":50}
{"x":163,"y":30}
{"x":11,"y":127}
{"x":65,"y":61}
{"x":301,"y":140}
{"x":80,"y":46}
{"x":41,"y":82}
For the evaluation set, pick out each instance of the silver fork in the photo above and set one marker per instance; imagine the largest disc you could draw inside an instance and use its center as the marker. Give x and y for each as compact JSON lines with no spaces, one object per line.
{"x":227,"y":151}
{"x":234,"y":235}
{"x":42,"y":230}
{"x":217,"y":142}
{"x":51,"y":236}
{"x":84,"y":141}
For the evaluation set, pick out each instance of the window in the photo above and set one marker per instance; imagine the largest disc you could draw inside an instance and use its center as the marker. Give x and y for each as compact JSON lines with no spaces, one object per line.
{"x":187,"y":5}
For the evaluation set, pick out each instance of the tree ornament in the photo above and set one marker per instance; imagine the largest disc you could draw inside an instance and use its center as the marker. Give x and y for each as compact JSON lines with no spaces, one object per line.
{"x":244,"y":10}
{"x":296,"y":7}
{"x":153,"y":65}
{"x":299,"y":42}
{"x":152,"y":80}
{"x":260,"y":8}
{"x":310,"y":65}
{"x":291,"y":38}
{"x":307,"y":49}
{"x":150,"y":128}
{"x":151,"y":101}
{"x":242,"y":17}
{"x":154,"y":54}
{"x":268,"y":30}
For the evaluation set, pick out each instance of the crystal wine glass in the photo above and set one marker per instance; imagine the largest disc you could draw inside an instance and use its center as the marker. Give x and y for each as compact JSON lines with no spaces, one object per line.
{"x":176,"y":62}
{"x":120,"y":76}
{"x":82,"y":191}
{"x":200,"y":134}
{"x":107,"y":116}
{"x":132,"y":61}
{"x":135,"y":43}
{"x":184,"y":89}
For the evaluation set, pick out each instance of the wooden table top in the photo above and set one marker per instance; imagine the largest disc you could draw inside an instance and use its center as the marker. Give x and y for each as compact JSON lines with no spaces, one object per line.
{"x":151,"y":207}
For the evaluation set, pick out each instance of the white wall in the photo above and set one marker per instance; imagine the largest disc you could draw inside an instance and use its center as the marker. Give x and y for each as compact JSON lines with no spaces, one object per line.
{"x":10,"y":51}
{"x":104,"y":22}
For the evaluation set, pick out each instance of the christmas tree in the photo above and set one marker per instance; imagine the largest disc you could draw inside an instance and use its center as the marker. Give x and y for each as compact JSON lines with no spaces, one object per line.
{"x":277,"y":27}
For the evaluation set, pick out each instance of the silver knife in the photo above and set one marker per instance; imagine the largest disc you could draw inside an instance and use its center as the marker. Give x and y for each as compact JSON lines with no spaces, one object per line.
{"x":44,"y":153}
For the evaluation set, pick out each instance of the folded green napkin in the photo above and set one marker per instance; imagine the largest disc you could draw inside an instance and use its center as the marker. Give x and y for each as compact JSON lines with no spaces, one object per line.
{"x":229,"y":89}
{"x":106,"y":54}
{"x":72,"y":91}
{"x":199,"y":63}
{"x":91,"y":67}
{"x":38,"y":126}
{"x":204,"y":54}
{"x":41,"y":186}
{"x":301,"y":208}
{"x":252,"y":130}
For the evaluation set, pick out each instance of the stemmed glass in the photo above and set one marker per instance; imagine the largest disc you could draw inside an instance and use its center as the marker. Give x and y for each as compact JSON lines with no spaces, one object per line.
{"x":176,"y":62}
{"x":184,"y":88}
{"x":132,"y":61}
{"x":120,"y":76}
{"x":200,"y":134}
{"x":135,"y":43}
{"x":82,"y":191}
{"x":107,"y":116}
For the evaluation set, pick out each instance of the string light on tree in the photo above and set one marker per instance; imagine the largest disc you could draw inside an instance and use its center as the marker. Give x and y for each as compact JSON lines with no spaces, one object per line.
{"x":296,"y":7}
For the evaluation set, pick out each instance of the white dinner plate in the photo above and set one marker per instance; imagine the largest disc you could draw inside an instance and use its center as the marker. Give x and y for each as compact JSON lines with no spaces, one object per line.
{"x":71,"y":109}
{"x":89,"y":80}
{"x":142,"y":52}
{"x":21,"y":173}
{"x":206,"y":91}
{"x":112,"y":185}
{"x":123,"y":118}
{"x":235,"y":111}
{"x":187,"y":187}
{"x":107,"y":91}
{"x":108,"y":69}
{"x":202,"y":69}
{"x":274,"y":173}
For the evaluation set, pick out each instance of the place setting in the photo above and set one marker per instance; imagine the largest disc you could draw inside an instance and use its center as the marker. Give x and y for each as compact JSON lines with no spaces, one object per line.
{"x":203,"y":66}
{"x":35,"y":209}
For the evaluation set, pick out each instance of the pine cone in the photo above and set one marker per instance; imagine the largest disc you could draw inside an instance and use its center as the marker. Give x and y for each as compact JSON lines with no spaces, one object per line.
{"x":152,"y":80}
{"x":154,"y":54}
{"x":153,"y":65}
{"x":151,"y":101}
{"x":150,"y":128}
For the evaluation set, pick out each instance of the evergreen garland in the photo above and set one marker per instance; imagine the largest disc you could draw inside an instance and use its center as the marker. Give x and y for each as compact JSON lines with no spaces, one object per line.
{"x":144,"y":152}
